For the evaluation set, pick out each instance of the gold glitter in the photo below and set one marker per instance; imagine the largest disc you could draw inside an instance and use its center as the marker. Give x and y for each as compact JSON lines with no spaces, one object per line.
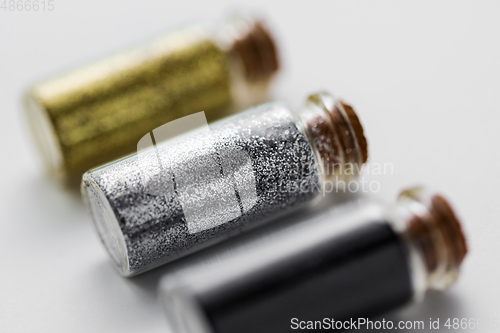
{"x":99,"y":112}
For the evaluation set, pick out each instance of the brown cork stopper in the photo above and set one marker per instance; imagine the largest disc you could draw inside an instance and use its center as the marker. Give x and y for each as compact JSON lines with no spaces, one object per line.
{"x":358,"y":130}
{"x":337,"y":134}
{"x":437,"y":233}
{"x":451,"y":228}
{"x":258,"y":53}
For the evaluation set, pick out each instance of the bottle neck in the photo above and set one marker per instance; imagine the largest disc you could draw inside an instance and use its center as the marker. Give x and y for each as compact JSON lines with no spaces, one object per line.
{"x":336,"y":135}
{"x":434,"y":237}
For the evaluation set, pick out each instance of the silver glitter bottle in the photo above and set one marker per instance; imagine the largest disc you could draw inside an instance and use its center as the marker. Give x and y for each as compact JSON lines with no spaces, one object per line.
{"x":178,"y":196}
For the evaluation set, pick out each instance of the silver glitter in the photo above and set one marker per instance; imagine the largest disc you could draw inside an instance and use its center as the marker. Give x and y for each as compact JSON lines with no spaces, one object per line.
{"x":177,"y":197}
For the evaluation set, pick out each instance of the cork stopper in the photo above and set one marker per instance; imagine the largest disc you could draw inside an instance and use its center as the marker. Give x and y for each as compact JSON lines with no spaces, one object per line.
{"x":249,"y":41}
{"x":337,"y":135}
{"x":258,"y":53}
{"x":358,"y":130}
{"x":435,"y":231}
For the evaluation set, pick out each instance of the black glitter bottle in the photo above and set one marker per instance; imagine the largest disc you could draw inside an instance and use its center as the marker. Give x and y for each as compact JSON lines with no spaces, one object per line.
{"x":349,"y":262}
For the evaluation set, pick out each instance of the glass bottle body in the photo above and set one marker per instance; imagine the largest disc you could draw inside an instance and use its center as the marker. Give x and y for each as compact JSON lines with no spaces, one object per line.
{"x":353,"y":260}
{"x":182,"y":194}
{"x":98,"y":112}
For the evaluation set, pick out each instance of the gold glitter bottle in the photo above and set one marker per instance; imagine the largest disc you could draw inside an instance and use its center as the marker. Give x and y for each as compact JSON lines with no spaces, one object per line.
{"x":99,"y":112}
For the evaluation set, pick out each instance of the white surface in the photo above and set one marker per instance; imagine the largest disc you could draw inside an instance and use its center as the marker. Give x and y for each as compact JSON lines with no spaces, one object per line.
{"x":425,"y":79}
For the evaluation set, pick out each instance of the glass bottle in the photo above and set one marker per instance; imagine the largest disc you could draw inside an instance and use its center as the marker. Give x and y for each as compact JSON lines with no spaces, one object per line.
{"x":178,"y":196}
{"x":337,"y":268}
{"x":98,"y":112}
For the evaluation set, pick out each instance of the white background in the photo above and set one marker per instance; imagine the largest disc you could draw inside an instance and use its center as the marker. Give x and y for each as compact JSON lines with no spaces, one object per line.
{"x":423,"y":76}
